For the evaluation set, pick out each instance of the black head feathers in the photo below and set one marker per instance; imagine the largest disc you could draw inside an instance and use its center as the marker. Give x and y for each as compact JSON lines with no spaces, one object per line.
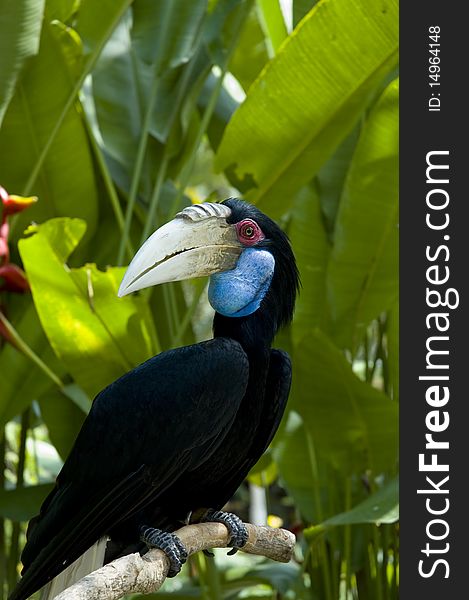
{"x":279,"y":301}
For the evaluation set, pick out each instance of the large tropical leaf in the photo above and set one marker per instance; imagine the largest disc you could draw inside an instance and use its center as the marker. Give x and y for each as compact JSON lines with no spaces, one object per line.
{"x":224,"y":109}
{"x":250,"y":54}
{"x":363,"y":268}
{"x":308,"y":236}
{"x":21,"y":381}
{"x":293,"y":457}
{"x":119,"y":116}
{"x":23,"y":503}
{"x":392,"y":336}
{"x":165,"y":37}
{"x":124,"y":65}
{"x":317,"y":481}
{"x":331,"y":179}
{"x":380,"y":507}
{"x":63,"y":419}
{"x":61,"y":10}
{"x":300,"y":9}
{"x":42,"y":125}
{"x":66,"y":184}
{"x":97,"y":336}
{"x":273,"y":23}
{"x":308,"y":98}
{"x":165,"y":33}
{"x":353,"y":425}
{"x":95,"y":23}
{"x":20,"y":28}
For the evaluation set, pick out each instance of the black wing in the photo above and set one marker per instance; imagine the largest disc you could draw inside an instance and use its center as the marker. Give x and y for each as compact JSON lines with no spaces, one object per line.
{"x":142,"y":433}
{"x":275,"y":400}
{"x":276,"y":397}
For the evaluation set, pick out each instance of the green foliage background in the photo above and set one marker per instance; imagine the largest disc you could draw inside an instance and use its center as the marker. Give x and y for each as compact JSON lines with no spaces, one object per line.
{"x":116,"y":114}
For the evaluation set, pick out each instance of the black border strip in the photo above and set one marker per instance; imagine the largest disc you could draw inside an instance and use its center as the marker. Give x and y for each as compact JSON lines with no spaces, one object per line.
{"x":424,"y":131}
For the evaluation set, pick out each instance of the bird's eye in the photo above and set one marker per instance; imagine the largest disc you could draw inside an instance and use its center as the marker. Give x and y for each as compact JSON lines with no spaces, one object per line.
{"x":249,"y":232}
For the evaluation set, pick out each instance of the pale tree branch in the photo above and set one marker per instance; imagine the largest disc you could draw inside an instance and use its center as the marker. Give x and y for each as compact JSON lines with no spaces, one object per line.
{"x":145,"y":574}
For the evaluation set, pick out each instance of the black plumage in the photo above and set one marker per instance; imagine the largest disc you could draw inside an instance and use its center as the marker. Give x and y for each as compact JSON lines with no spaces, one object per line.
{"x":173,"y":436}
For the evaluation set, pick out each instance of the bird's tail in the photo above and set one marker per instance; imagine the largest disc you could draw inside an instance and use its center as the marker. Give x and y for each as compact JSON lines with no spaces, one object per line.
{"x":91,"y":560}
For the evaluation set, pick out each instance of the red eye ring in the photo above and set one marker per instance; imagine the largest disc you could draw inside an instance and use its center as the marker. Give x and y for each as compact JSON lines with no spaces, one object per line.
{"x":249,"y":232}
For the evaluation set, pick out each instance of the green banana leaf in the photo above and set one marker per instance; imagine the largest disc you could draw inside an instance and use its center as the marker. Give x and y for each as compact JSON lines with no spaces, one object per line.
{"x":20,"y":29}
{"x":308,"y":98}
{"x":97,"y":335}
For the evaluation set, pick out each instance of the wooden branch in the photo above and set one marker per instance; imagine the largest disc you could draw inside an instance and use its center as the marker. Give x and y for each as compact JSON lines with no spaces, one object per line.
{"x":133,"y":573}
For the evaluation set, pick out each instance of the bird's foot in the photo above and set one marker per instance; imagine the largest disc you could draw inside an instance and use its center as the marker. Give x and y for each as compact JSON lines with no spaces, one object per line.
{"x":169,"y":543}
{"x":238,"y":531}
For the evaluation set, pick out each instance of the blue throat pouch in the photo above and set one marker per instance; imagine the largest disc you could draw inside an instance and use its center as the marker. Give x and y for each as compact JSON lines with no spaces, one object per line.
{"x":239,"y":292}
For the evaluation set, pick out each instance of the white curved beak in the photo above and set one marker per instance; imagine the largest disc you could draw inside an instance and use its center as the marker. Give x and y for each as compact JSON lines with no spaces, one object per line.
{"x":182,"y":249}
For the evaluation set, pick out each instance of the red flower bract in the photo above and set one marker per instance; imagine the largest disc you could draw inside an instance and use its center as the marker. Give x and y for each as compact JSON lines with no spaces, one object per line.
{"x":14,"y":279}
{"x":14,"y":204}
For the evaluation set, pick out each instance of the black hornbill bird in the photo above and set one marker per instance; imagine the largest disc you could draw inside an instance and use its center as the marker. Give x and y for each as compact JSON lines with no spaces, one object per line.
{"x":173,"y":439}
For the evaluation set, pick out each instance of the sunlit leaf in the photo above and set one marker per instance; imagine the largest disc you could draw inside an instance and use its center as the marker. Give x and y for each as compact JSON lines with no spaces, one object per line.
{"x":71,"y":46}
{"x":308,"y":98}
{"x":273,"y":23}
{"x":97,"y":335}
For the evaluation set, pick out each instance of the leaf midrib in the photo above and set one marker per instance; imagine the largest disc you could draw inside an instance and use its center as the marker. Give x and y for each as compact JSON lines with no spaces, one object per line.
{"x":85,"y":297}
{"x":292,"y":157}
{"x":69,"y":272}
